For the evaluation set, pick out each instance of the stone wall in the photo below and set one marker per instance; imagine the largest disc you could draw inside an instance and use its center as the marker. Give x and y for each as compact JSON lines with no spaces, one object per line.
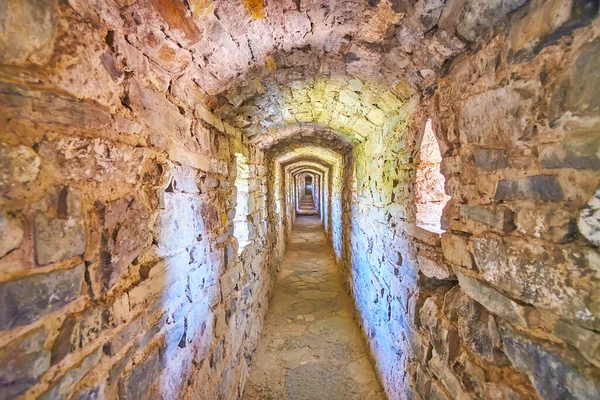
{"x":502,"y":304}
{"x":519,"y":125}
{"x":119,"y":274}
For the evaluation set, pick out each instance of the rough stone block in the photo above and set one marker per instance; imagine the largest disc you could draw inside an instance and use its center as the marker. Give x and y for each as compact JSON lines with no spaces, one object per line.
{"x":158,"y":113}
{"x":555,"y":374}
{"x":589,"y":220}
{"x":22,"y":361}
{"x":576,"y":94}
{"x":552,"y":277}
{"x":444,"y":374}
{"x":425,"y":236}
{"x":20,"y":19}
{"x":180,"y":223}
{"x":64,"y":388}
{"x":539,"y":187}
{"x":59,"y":233}
{"x":18,"y":164}
{"x":77,"y":331}
{"x":94,"y":393}
{"x":125,"y":335}
{"x":545,"y":23}
{"x":578,"y":152}
{"x":492,"y":300}
{"x":27,"y":299}
{"x":457,"y":250}
{"x":584,"y":340}
{"x":434,"y":268}
{"x":498,"y":218}
{"x":489,"y":160}
{"x":478,"y":15}
{"x":479,"y":332}
{"x":124,"y":235}
{"x":549,"y":223}
{"x":495,"y":117}
{"x":96,"y":160}
{"x":138,"y":383}
{"x":11,"y":234}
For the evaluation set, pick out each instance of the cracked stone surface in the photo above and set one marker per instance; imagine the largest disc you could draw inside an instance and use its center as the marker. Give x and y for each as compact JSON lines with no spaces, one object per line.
{"x":311,"y":343}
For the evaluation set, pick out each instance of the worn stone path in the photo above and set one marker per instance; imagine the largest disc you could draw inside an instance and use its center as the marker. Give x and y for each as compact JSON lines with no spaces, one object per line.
{"x":311,"y":347}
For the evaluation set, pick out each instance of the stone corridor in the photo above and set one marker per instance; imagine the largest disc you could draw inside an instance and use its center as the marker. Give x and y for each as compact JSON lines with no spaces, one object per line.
{"x":299,"y":199}
{"x":311,"y":346}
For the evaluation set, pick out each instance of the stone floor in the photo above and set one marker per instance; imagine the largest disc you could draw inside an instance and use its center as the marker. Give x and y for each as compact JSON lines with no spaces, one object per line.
{"x":311,"y":347}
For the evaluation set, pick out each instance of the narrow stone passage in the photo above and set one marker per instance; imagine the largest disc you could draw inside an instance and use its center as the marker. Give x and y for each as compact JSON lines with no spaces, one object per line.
{"x":311,"y":346}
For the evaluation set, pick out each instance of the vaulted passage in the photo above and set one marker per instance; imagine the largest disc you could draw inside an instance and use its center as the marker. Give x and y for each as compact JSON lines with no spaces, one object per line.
{"x":299,"y":199}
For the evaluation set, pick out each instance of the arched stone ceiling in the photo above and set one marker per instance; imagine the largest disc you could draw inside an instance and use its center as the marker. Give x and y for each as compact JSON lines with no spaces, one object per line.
{"x":308,"y":152}
{"x":305,"y":167}
{"x":264,"y":64}
{"x":341,"y":103}
{"x":218,"y":44}
{"x":306,"y":173}
{"x":314,"y":140}
{"x":306,"y":131}
{"x":296,"y":166}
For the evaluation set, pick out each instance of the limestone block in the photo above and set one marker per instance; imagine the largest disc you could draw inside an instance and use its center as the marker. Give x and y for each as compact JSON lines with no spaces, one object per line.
{"x":11,"y":234}
{"x":125,"y":335}
{"x":551,"y":277}
{"x":158,"y":113}
{"x":497,"y":117}
{"x":496,"y":217}
{"x":489,"y":160}
{"x":164,"y":285}
{"x":434,"y":268}
{"x":544,"y":18}
{"x":160,"y":49}
{"x":479,"y":332}
{"x":555,"y":374}
{"x":174,"y":336}
{"x":584,"y":340}
{"x":98,"y":160}
{"x":138,"y":383}
{"x":179,"y":223}
{"x":576,"y":94}
{"x":18,"y":164}
{"x":64,"y":388}
{"x":444,"y":374}
{"x":124,"y":234}
{"x":589,"y":220}
{"x":539,"y":187}
{"x":546,"y":222}
{"x":28,"y":31}
{"x":479,"y":15}
{"x":77,"y":331}
{"x":27,"y":299}
{"x":59,"y":232}
{"x":451,"y":165}
{"x":22,"y":361}
{"x":457,"y":250}
{"x":579,"y":152}
{"x":492,"y":299}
